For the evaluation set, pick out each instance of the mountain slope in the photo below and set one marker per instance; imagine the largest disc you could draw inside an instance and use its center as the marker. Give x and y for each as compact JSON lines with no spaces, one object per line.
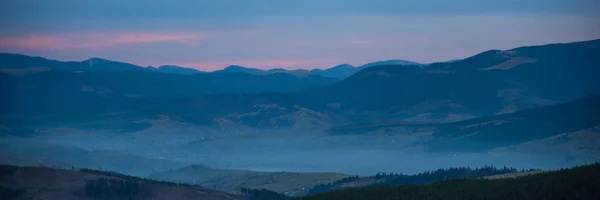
{"x":521,"y":126}
{"x":42,"y":94}
{"x":488,"y":83}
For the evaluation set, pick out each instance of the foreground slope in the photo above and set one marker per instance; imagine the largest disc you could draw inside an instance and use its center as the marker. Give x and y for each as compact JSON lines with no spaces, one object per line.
{"x":577,"y":183}
{"x":49,"y":183}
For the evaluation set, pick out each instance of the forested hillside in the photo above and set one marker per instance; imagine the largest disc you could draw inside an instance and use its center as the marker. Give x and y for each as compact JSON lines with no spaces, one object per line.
{"x":576,"y":183}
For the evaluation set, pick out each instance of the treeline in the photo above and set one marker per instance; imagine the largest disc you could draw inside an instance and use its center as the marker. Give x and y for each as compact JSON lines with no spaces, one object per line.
{"x":132,"y":187}
{"x":440,"y":175}
{"x":109,"y":188}
{"x":262,"y":194}
{"x":128,"y":177}
{"x":6,"y":192}
{"x":384,"y":179}
{"x":322,"y":188}
{"x":576,"y":183}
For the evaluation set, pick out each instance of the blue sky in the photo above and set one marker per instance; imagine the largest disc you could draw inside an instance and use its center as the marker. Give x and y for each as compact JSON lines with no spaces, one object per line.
{"x":291,"y":34}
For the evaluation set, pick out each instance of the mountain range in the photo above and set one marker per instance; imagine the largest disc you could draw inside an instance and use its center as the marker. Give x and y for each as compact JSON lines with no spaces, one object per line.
{"x":489,"y":83}
{"x":22,"y":64}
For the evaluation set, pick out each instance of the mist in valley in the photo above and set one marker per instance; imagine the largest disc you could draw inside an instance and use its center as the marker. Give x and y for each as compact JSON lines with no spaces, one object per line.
{"x":271,"y":150}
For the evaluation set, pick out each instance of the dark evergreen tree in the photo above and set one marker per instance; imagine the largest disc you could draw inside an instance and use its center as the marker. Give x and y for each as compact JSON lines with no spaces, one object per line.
{"x":577,"y":183}
{"x":262,"y":194}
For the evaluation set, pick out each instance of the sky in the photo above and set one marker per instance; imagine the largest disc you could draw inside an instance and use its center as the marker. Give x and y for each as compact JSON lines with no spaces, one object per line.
{"x":291,"y":34}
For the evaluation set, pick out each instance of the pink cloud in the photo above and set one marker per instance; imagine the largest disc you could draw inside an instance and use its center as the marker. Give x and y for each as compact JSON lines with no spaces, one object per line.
{"x":93,"y":40}
{"x":152,"y":38}
{"x":357,"y":42}
{"x":30,"y":42}
{"x":353,"y":42}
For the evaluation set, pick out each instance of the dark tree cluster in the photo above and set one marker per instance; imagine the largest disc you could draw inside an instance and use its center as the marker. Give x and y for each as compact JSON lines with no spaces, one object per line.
{"x":6,"y":170}
{"x":576,"y":183}
{"x":127,"y":177}
{"x":262,"y":194}
{"x":322,"y":188}
{"x":440,"y":175}
{"x":390,"y":179}
{"x":108,"y":188}
{"x":7,"y":193}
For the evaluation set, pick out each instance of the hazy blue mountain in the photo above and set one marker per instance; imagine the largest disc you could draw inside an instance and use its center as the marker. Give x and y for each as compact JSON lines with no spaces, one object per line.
{"x":341,"y":71}
{"x":92,"y":88}
{"x":99,"y":64}
{"x":22,"y":64}
{"x":240,"y":69}
{"x":295,"y":72}
{"x":488,"y":83}
{"x":16,"y":61}
{"x":346,"y":70}
{"x":172,"y":69}
{"x":390,"y":62}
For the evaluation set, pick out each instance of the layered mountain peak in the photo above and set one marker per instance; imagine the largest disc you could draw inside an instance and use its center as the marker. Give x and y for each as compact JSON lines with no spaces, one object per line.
{"x":240,"y":69}
{"x":390,"y":62}
{"x":174,"y":69}
{"x":342,"y":66}
{"x":235,"y":67}
{"x":102,"y":64}
{"x":95,"y":60}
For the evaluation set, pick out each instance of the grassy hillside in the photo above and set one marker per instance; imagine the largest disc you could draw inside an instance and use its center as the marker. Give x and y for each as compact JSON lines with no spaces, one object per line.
{"x":576,"y":183}
{"x":513,"y":128}
{"x":49,"y":183}
{"x":233,"y":180}
{"x":34,"y":153}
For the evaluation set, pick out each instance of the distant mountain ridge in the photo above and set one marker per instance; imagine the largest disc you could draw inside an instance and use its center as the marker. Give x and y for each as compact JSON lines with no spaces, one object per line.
{"x":17,"y":61}
{"x":341,"y":71}
{"x":173,"y":69}
{"x":391,"y":62}
{"x":13,"y":62}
